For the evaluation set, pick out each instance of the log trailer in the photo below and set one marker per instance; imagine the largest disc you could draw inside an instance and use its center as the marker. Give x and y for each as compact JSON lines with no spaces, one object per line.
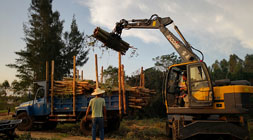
{"x":217,"y":108}
{"x":47,"y":108}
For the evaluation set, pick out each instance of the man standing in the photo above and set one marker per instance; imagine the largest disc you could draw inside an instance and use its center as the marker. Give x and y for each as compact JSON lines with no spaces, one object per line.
{"x":97,"y":106}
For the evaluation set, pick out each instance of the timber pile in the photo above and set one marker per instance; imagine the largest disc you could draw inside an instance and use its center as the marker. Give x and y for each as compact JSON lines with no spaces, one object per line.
{"x":65,"y":87}
{"x":111,"y":40}
{"x":139,"y":97}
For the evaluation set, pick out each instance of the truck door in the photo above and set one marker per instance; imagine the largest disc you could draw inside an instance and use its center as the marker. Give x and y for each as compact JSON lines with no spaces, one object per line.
{"x":39,"y":103}
{"x":200,"y":86}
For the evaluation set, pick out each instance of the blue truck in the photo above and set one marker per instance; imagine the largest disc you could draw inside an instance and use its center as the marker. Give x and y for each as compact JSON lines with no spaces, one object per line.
{"x":39,"y":110}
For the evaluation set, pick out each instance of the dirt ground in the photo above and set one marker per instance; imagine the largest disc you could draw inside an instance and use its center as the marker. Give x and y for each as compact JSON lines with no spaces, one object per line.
{"x":55,"y":135}
{"x":41,"y":134}
{"x":129,"y":129}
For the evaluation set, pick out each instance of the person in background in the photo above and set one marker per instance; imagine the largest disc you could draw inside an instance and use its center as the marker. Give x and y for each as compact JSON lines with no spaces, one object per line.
{"x":97,"y":105}
{"x":183,"y":90}
{"x":9,"y":110}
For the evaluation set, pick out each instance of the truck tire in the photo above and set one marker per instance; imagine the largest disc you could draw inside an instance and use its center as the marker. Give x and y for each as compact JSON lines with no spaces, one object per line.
{"x":85,"y":127}
{"x":175,"y":130}
{"x":168,"y":130}
{"x":26,"y":123}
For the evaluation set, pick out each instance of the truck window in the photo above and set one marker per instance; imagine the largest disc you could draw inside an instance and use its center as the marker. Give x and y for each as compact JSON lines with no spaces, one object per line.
{"x":40,"y":93}
{"x":197,"y":74}
{"x":200,"y":89}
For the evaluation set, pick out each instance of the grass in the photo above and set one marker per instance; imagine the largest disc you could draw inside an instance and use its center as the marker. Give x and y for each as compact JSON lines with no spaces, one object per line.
{"x":3,"y":111}
{"x":27,"y":136}
{"x":250,"y":127}
{"x":69,"y":129}
{"x":147,"y":129}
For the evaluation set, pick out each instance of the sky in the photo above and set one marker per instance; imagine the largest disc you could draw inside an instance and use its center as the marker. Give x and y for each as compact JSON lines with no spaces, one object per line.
{"x":216,"y":27}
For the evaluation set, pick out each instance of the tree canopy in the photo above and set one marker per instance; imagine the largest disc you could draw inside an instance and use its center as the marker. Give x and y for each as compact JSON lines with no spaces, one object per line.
{"x":44,"y":42}
{"x":234,"y":69}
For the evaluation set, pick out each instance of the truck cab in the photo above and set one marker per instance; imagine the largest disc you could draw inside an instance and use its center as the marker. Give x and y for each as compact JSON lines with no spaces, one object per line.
{"x":199,"y":90}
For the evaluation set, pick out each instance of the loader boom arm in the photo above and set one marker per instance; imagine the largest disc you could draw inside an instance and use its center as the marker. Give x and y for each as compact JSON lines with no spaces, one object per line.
{"x":156,"y":22}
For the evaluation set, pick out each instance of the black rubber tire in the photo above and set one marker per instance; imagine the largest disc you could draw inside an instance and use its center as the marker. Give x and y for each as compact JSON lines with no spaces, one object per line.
{"x":85,"y":127}
{"x":175,"y":125}
{"x":168,"y":130}
{"x":26,"y":123}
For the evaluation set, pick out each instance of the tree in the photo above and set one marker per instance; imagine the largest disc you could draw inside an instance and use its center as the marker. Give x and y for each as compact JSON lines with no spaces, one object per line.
{"x":164,"y":61}
{"x":6,"y":84}
{"x":111,"y":76}
{"x":75,"y":46}
{"x":248,"y":67}
{"x":248,"y":63}
{"x":220,"y":70}
{"x":43,"y":37}
{"x":235,"y":67}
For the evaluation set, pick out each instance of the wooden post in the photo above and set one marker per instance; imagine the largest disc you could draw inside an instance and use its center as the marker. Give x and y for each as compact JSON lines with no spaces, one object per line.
{"x":47,"y":80}
{"x":141,"y":77}
{"x":74,"y":85}
{"x":123,"y":87}
{"x":143,"y":80}
{"x":77,"y":74}
{"x":101,"y":74}
{"x":119,"y":80}
{"x":96,"y":67}
{"x":52,"y":88}
{"x":82,"y":75}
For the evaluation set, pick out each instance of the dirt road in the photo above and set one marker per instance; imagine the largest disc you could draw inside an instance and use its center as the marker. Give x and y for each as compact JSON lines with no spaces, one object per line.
{"x":50,"y":135}
{"x":55,"y":135}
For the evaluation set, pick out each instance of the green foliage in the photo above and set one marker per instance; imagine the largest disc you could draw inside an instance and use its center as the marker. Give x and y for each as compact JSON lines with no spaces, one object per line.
{"x":75,"y":46}
{"x":111,"y":76}
{"x":2,"y":92}
{"x":43,"y":43}
{"x":164,"y":61}
{"x":154,"y":79}
{"x":233,"y":69}
{"x":6,"y":84}
{"x":43,"y":37}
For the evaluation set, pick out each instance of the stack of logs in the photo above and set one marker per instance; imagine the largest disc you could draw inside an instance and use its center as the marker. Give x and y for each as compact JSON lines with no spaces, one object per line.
{"x":111,"y":40}
{"x":139,"y":97}
{"x":65,"y":87}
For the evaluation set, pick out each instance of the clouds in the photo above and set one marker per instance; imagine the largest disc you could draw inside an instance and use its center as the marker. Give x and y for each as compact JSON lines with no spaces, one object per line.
{"x":216,"y":25}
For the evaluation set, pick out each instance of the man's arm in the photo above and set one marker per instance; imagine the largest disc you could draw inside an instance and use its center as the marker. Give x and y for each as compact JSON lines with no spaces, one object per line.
{"x":104,"y":108}
{"x":87,"y":113}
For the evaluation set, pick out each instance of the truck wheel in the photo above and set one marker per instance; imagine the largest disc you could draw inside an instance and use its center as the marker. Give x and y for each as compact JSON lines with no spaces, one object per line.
{"x":175,"y":130}
{"x":85,"y":127}
{"x":26,"y":123}
{"x":168,"y":130}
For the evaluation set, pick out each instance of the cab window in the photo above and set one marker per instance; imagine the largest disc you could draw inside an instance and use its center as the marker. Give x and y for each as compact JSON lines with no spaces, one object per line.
{"x":200,"y":88}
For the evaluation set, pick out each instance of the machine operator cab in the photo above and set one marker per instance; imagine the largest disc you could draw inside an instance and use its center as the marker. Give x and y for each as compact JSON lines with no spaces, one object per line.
{"x":188,"y":85}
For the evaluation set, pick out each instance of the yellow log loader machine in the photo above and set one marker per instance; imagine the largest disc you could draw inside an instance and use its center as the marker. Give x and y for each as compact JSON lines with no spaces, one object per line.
{"x":204,"y":107}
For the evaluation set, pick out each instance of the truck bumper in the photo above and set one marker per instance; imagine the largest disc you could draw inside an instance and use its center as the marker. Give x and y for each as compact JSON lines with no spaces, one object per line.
{"x":213,"y":127}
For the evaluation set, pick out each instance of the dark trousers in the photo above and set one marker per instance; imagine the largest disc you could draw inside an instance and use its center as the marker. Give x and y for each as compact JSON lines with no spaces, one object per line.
{"x":98,"y":121}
